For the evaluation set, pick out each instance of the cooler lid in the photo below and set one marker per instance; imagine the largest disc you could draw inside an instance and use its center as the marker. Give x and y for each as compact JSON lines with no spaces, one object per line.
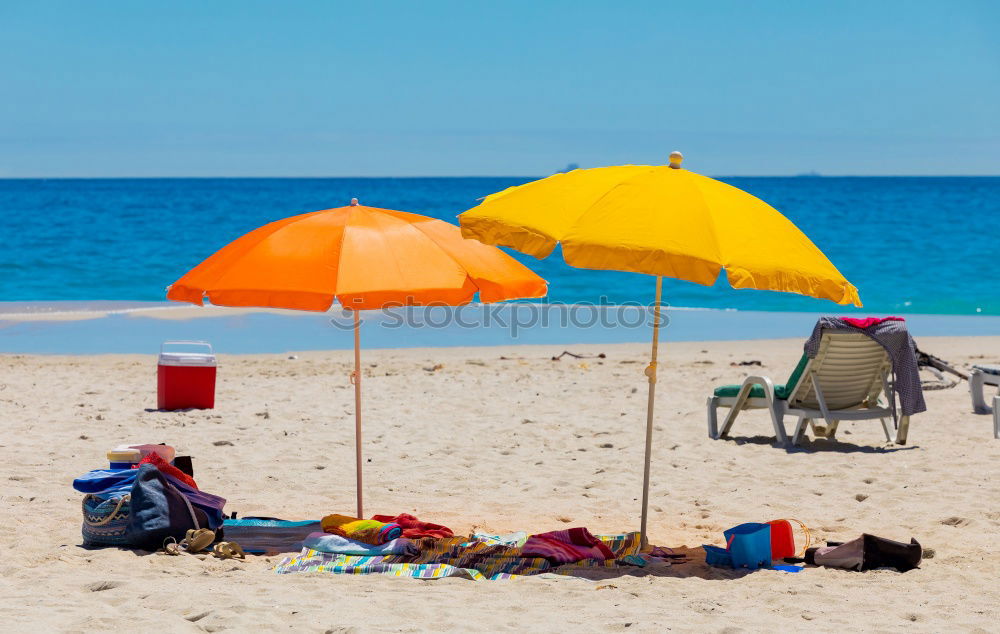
{"x":124,"y":454}
{"x":187,"y":353}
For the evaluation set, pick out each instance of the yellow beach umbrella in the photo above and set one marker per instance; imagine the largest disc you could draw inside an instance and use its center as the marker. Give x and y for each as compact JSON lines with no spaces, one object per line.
{"x":664,"y":221}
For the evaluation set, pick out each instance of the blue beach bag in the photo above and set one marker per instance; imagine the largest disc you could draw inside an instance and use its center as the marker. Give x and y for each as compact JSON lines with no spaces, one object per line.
{"x":159,"y":510}
{"x":105,"y":519}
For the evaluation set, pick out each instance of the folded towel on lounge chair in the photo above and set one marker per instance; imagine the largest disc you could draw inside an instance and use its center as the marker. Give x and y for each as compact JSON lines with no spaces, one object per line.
{"x":332,"y":543}
{"x":891,"y":334}
{"x":367,"y":531}
{"x":414,"y":528}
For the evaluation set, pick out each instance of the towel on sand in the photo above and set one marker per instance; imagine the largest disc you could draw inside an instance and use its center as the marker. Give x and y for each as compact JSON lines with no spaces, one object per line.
{"x":566,"y":546}
{"x":455,"y":557}
{"x":331,"y":543}
{"x":367,"y":531}
{"x":414,"y":528}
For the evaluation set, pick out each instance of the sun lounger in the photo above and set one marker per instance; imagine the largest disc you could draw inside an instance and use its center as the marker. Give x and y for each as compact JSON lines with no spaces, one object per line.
{"x":981,"y":376}
{"x":843,"y":382}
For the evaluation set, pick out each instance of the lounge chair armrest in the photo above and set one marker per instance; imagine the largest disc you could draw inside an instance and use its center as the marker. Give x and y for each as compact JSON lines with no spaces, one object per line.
{"x":763,"y":381}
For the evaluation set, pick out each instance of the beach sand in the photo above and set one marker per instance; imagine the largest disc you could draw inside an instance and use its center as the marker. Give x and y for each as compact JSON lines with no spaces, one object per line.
{"x":484,"y":443}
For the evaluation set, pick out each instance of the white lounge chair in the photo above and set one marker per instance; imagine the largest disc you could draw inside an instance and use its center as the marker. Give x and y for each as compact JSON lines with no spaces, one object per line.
{"x":843,"y":382}
{"x":981,"y":376}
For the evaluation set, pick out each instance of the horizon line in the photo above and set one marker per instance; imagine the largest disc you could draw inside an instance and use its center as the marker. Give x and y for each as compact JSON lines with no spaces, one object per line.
{"x":803,"y":176}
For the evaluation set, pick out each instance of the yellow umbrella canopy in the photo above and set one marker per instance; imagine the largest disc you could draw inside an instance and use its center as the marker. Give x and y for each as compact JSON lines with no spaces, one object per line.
{"x":660,"y":221}
{"x":664,"y":221}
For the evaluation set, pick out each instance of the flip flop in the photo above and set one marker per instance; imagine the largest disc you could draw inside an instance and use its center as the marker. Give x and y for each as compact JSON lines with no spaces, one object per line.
{"x":228,"y":550}
{"x":198,"y":540}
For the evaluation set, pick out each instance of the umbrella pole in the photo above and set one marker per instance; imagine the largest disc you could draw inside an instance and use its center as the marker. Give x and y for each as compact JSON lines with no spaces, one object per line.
{"x":356,"y":379}
{"x":651,"y":375}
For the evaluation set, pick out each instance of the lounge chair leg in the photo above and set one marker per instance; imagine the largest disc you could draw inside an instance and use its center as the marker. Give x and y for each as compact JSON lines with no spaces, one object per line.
{"x":976,"y":381}
{"x":885,"y":428}
{"x":904,"y":428}
{"x":831,"y":429}
{"x":996,"y":417}
{"x":713,"y":417}
{"x":728,"y":423}
{"x":779,"y":426}
{"x":800,"y":428}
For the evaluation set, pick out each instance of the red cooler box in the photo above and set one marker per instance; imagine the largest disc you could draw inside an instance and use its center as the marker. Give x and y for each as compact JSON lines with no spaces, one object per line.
{"x":185,"y":375}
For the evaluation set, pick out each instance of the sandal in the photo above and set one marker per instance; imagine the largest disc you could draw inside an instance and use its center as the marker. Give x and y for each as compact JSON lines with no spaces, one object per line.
{"x":170,"y":547}
{"x":197,"y":540}
{"x":228,"y":550}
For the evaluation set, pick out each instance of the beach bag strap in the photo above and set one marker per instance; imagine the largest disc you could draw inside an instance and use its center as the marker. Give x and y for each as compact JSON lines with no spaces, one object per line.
{"x":805,"y":531}
{"x":187,"y":502}
{"x":111,"y":516}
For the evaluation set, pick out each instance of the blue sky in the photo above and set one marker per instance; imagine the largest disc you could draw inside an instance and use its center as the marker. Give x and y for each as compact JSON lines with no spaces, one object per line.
{"x":500,"y":88}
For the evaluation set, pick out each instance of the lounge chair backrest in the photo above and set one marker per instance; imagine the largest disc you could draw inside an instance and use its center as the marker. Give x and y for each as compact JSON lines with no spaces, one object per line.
{"x":850,"y":369}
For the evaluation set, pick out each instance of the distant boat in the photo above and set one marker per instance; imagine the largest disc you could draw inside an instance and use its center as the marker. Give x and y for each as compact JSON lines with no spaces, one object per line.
{"x":569,"y":168}
{"x":812,"y":174}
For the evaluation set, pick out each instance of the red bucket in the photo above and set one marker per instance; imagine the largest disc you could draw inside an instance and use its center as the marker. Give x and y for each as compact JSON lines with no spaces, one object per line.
{"x":783,"y":541}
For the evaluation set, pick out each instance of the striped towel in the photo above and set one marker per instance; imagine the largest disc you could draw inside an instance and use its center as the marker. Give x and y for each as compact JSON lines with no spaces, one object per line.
{"x":456,"y":557}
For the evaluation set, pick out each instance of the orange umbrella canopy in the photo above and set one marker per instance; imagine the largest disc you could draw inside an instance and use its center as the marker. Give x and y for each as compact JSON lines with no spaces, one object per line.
{"x":363,"y":257}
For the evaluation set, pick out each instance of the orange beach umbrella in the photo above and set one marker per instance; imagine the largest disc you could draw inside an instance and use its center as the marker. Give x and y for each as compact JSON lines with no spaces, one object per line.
{"x":363,"y":257}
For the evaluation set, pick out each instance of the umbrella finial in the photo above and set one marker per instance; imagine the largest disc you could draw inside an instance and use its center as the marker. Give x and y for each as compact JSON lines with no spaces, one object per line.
{"x":675,"y":159}
{"x":354,"y":202}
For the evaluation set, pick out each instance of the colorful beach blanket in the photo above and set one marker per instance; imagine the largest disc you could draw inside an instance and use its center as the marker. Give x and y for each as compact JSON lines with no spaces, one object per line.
{"x":457,"y":557}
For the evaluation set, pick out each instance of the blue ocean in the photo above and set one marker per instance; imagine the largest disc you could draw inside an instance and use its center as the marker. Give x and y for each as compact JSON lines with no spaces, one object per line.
{"x":910,"y":244}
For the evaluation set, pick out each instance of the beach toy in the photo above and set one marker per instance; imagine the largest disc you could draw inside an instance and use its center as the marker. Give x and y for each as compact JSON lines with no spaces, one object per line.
{"x":719,"y":557}
{"x":749,"y":545}
{"x":782,"y":540}
{"x":185,"y":378}
{"x":124,"y":457}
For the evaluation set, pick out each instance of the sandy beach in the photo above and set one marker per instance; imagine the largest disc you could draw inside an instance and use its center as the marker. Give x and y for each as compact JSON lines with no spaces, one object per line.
{"x":496,"y":439}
